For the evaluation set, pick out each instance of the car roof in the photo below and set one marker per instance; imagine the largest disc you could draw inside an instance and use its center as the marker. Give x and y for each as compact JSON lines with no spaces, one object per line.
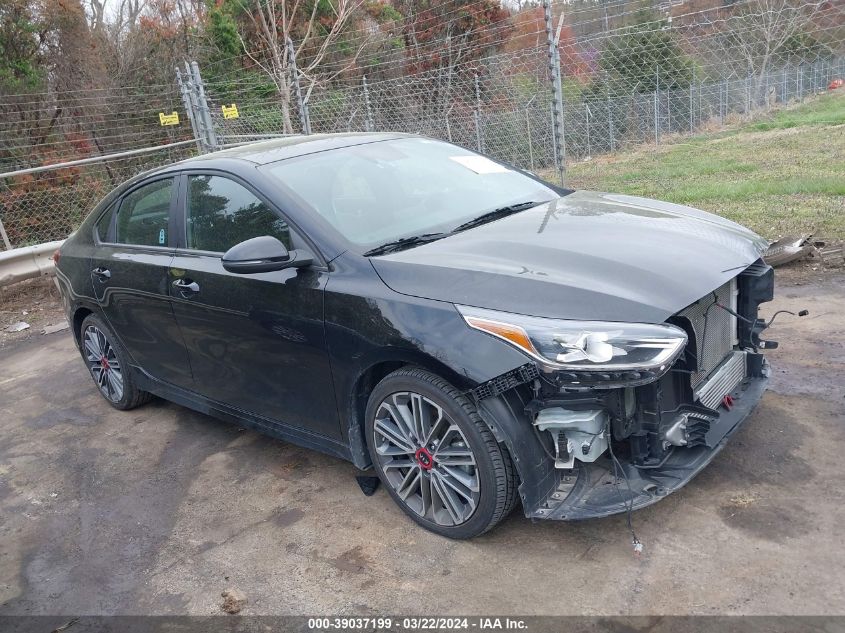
{"x":263,"y":152}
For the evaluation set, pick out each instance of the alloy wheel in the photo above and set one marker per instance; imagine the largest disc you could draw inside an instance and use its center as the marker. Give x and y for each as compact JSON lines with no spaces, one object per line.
{"x":426,"y":458}
{"x":103,"y":363}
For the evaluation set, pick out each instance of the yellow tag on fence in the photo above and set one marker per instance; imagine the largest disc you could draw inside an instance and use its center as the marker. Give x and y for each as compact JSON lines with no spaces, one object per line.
{"x":168,"y":119}
{"x":230,"y":112}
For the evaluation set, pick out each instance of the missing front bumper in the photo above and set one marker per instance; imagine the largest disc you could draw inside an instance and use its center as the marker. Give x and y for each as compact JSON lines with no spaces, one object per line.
{"x":591,"y":491}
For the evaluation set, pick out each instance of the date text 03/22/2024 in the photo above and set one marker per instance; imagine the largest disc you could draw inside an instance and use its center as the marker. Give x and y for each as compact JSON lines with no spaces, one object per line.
{"x":415,"y":624}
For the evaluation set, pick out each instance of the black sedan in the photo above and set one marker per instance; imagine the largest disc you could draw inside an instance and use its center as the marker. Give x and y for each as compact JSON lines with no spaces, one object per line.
{"x":476,"y":336}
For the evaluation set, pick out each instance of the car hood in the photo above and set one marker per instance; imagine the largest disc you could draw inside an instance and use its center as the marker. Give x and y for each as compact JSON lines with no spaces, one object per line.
{"x":587,"y":255}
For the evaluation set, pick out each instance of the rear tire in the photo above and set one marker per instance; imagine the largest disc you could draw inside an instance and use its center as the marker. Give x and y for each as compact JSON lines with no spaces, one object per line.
{"x":436,"y":456}
{"x":108,"y":364}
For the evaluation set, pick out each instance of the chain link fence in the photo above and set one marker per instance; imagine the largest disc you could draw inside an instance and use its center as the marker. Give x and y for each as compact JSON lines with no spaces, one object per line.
{"x":97,"y":138}
{"x":48,"y":205}
{"x":499,"y":105}
{"x":599,"y":91}
{"x":603,"y":125}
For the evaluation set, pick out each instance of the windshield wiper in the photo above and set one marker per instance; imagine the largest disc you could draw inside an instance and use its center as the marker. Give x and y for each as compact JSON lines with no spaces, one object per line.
{"x":416,"y":240}
{"x":495,"y":214}
{"x":405,"y":242}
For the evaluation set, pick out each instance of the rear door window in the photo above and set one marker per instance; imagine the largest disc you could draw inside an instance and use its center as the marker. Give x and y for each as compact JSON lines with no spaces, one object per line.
{"x":144,"y":215}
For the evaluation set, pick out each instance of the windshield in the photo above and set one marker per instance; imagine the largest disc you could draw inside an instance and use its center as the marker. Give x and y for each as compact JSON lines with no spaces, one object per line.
{"x":385,"y":191}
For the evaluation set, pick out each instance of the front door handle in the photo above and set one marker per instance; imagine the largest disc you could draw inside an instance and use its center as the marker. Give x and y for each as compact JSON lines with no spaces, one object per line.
{"x":186,"y":287}
{"x":103,"y":274}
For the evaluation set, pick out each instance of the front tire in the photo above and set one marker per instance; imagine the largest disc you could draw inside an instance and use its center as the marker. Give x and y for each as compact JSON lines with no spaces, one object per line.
{"x":436,"y":456}
{"x":108,"y":364}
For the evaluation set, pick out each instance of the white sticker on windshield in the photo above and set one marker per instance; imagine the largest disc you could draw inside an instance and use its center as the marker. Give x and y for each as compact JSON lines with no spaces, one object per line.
{"x":480,"y":164}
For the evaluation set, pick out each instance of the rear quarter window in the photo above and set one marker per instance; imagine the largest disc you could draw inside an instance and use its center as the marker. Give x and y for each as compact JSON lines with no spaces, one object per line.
{"x":104,"y":223}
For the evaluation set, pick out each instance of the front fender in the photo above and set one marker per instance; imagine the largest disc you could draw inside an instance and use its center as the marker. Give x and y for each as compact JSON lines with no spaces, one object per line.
{"x":369,"y":326}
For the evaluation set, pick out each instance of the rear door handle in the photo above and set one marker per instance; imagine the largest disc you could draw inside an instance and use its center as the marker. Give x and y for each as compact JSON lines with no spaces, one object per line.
{"x":103,"y":274}
{"x":186,"y":287}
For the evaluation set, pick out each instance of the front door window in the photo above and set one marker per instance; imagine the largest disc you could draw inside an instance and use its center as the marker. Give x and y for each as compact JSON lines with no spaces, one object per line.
{"x":222,"y":213}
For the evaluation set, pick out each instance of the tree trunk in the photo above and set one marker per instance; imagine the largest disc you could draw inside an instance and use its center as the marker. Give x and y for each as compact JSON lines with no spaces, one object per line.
{"x":284,"y":89}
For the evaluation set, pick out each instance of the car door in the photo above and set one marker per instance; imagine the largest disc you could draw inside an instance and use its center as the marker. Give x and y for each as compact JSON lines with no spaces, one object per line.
{"x":129,"y":277}
{"x":255,"y":341}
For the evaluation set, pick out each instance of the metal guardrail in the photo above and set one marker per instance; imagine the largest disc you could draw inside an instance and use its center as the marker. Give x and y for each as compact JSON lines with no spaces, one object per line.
{"x":28,"y":262}
{"x":94,"y":159}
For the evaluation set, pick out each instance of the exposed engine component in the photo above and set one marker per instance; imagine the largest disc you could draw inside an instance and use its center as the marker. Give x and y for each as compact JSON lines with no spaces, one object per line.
{"x":676,"y":435}
{"x":577,"y":435}
{"x":688,"y":429}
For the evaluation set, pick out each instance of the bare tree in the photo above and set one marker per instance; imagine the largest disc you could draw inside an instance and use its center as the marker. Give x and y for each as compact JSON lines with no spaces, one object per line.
{"x":123,"y":17}
{"x":441,"y":40}
{"x":763,"y":30}
{"x":275,"y":22}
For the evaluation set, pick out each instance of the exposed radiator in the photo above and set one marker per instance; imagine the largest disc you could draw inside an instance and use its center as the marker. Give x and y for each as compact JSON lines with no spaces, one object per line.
{"x":723,"y":381}
{"x":715,"y":329}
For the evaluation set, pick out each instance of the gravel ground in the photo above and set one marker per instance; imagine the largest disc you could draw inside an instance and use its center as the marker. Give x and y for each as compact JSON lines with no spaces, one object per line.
{"x":36,"y":302}
{"x":159,"y":510}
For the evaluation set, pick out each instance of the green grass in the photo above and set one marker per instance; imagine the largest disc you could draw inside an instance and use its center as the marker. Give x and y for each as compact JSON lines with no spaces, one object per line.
{"x":784,"y":174}
{"x":827,"y":110}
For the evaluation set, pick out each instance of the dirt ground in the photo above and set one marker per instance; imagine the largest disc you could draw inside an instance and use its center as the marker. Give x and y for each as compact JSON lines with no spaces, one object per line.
{"x":35,"y":302}
{"x":159,"y":510}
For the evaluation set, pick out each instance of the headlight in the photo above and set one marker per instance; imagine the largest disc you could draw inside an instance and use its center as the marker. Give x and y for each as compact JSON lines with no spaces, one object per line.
{"x":582,"y":346}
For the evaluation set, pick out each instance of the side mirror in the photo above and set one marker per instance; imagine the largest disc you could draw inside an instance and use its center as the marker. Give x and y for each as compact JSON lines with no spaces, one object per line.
{"x":262,"y":255}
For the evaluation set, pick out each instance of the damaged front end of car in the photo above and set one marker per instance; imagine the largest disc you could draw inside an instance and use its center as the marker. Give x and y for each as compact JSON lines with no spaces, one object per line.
{"x":624,"y":414}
